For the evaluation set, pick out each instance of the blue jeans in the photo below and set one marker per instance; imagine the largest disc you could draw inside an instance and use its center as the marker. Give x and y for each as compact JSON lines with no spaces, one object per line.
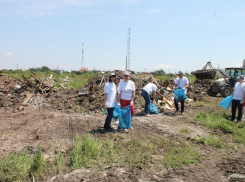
{"x":108,"y":119}
{"x":147,"y":99}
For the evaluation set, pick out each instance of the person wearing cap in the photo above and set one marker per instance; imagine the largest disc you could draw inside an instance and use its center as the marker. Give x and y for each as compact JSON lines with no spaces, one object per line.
{"x":147,"y":90}
{"x":126,"y":92}
{"x":181,"y":82}
{"x":238,"y":98}
{"x":110,"y":100}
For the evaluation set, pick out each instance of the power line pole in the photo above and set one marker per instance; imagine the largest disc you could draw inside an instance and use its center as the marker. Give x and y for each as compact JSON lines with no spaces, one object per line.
{"x":126,"y":63}
{"x":82,"y":55}
{"x":129,"y":61}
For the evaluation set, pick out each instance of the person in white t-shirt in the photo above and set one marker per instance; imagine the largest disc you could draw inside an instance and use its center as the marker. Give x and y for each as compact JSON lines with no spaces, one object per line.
{"x":110,"y":100}
{"x":147,"y":90}
{"x":181,"y":82}
{"x":238,"y":98}
{"x":126,"y":92}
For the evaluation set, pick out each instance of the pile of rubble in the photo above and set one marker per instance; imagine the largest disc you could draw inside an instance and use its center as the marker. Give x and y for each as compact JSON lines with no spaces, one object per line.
{"x":199,"y":88}
{"x":17,"y":94}
{"x":90,"y":98}
{"x":36,"y":93}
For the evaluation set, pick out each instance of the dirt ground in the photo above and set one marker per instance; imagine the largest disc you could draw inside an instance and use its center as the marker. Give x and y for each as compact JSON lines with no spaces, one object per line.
{"x":56,"y":131}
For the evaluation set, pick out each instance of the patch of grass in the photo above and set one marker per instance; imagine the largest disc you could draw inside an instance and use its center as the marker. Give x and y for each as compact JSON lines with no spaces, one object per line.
{"x":185,"y":130}
{"x":137,"y":153}
{"x":15,"y":167}
{"x":219,"y":121}
{"x":77,"y":82}
{"x":86,"y":151}
{"x":210,"y":140}
{"x":39,"y":164}
{"x":200,"y":104}
{"x":182,"y":154}
{"x":59,"y":163}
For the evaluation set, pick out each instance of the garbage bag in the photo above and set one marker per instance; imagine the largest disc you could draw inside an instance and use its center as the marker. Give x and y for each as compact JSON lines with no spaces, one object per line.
{"x":226,"y":102}
{"x":116,"y":112}
{"x":179,"y":95}
{"x":125,"y":118}
{"x":153,"y":109}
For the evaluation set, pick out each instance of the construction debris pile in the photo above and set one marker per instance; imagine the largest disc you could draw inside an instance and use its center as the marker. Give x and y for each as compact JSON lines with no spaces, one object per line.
{"x":90,"y":98}
{"x":18,"y":94}
{"x":199,"y":88}
{"x":36,"y":93}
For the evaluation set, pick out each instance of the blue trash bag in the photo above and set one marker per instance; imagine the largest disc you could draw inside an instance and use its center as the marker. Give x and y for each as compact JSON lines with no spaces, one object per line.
{"x":125,"y":118}
{"x":179,"y":95}
{"x":116,"y":112}
{"x":153,"y":109}
{"x":226,"y":102}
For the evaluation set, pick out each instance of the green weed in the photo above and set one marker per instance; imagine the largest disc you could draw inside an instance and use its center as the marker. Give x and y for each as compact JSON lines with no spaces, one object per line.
{"x":185,"y":130}
{"x":200,"y":104}
{"x":219,"y":121}
{"x":15,"y":167}
{"x":182,"y":154}
{"x":210,"y":140}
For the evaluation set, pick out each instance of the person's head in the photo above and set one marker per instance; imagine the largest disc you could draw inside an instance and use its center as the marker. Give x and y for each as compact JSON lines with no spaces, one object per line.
{"x":155,"y":82}
{"x":240,"y":78}
{"x":126,"y":76}
{"x":112,"y":77}
{"x":180,"y":74}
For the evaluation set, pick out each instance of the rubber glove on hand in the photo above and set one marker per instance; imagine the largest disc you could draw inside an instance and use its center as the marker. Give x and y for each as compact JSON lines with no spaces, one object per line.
{"x":131,"y":103}
{"x":242,"y":101}
{"x":106,"y":104}
{"x":118,"y":104}
{"x":154,"y":102}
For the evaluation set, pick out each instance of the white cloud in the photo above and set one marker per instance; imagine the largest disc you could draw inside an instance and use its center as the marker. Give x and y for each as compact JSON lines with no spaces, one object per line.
{"x":9,"y":54}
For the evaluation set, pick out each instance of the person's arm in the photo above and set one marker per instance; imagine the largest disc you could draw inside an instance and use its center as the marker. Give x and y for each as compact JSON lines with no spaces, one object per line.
{"x":186,"y":86}
{"x":243,"y":99}
{"x":233,"y":92}
{"x":105,"y":94}
{"x":154,"y":95}
{"x":133,"y":95}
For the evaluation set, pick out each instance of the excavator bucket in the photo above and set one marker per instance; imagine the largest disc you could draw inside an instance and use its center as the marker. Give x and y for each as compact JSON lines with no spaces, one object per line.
{"x":204,"y":74}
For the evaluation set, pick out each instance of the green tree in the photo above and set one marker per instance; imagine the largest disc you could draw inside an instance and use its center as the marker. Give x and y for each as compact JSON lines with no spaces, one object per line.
{"x":160,"y":72}
{"x":45,"y":69}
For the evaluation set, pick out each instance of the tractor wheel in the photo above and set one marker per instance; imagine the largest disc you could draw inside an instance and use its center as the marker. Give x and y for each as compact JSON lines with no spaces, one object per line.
{"x":225,"y":91}
{"x":210,"y":93}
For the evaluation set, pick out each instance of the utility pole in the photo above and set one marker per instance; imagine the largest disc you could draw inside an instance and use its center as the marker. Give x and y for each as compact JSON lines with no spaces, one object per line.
{"x":82,"y":56}
{"x":128,"y":57}
{"x":126,"y":63}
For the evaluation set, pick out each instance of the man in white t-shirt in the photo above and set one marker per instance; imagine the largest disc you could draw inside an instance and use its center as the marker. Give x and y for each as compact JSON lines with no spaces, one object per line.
{"x":147,"y":90}
{"x":181,"y":82}
{"x":238,"y":98}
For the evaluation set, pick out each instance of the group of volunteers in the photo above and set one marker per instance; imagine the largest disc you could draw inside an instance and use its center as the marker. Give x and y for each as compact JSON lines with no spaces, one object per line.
{"x":125,"y":92}
{"x":124,"y":96}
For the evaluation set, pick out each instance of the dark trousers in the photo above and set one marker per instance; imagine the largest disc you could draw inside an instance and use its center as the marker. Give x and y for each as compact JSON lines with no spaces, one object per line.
{"x":108,"y":119}
{"x":147,"y":99}
{"x":182,"y":105}
{"x":236,"y":104}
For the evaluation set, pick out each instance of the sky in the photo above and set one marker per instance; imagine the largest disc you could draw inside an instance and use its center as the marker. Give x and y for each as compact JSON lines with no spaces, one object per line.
{"x":171,"y":35}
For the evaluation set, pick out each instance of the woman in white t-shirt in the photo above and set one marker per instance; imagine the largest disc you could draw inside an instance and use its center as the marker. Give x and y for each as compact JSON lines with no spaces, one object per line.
{"x":126,"y":92}
{"x":147,"y":90}
{"x":110,"y":100}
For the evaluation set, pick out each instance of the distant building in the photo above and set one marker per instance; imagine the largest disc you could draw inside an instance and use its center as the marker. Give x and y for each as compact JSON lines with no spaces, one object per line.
{"x":83,"y":69}
{"x":22,"y":69}
{"x":55,"y":70}
{"x":4,"y":70}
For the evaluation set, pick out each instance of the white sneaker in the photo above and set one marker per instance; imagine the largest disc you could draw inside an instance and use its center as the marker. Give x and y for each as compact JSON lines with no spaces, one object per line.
{"x":242,"y":116}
